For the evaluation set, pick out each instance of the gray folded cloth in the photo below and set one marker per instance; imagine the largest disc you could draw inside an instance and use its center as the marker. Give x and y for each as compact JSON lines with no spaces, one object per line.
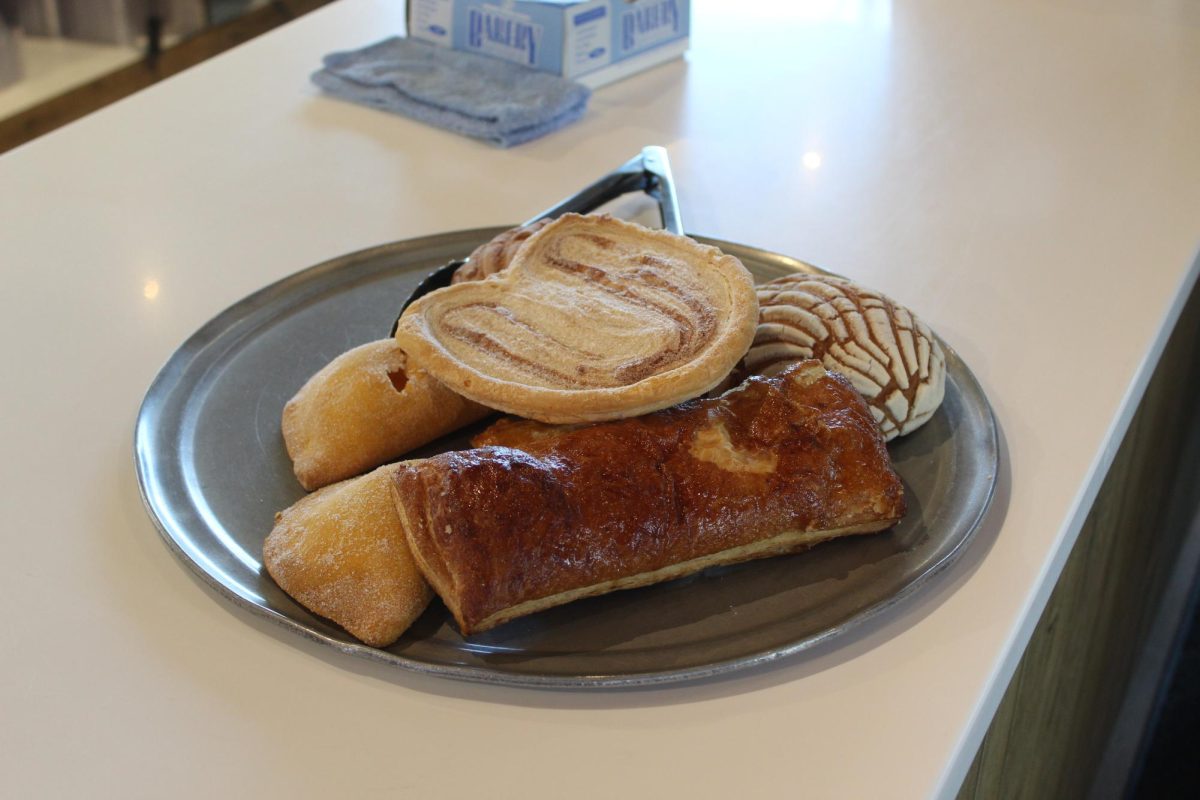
{"x":474,"y":95}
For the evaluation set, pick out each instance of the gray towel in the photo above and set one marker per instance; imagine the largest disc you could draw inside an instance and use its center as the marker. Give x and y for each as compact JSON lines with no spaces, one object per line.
{"x":466,"y":93}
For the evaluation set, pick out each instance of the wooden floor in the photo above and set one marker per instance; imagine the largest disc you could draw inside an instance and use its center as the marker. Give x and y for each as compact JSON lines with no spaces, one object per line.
{"x":95,"y":94}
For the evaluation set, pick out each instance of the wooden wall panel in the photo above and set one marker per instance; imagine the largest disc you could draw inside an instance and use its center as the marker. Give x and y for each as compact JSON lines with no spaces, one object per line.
{"x":1053,"y":724}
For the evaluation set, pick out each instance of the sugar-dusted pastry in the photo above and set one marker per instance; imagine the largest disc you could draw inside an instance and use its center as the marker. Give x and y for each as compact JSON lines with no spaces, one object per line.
{"x":341,"y":553}
{"x":542,"y":516}
{"x":367,"y":407}
{"x":495,"y":255}
{"x":886,"y":352}
{"x":594,"y":319}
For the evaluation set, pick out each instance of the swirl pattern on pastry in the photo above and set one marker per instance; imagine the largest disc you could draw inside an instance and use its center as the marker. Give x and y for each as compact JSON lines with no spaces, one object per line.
{"x":890,"y":356}
{"x":594,"y":319}
{"x":497,"y":253}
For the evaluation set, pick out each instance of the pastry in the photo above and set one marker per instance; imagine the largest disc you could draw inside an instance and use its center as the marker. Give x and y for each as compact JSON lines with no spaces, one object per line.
{"x":540,"y":516}
{"x":341,"y":553}
{"x":367,"y":407}
{"x":889,"y":355}
{"x":594,"y":319}
{"x":495,"y":255}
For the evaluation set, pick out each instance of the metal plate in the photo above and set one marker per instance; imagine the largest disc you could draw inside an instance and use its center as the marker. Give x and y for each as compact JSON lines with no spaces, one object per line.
{"x":213,"y":472}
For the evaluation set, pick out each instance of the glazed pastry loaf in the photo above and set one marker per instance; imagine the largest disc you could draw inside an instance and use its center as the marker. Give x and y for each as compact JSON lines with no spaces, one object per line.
{"x":541,"y":516}
{"x":889,"y":355}
{"x":367,"y":407}
{"x":594,"y":319}
{"x":340,"y":552}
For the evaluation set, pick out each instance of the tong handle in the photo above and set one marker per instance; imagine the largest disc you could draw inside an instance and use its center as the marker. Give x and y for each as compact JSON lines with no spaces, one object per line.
{"x":649,"y":171}
{"x":657,"y":167}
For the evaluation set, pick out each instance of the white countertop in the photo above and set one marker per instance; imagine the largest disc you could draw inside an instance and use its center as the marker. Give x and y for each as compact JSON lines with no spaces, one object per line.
{"x":1025,"y":175}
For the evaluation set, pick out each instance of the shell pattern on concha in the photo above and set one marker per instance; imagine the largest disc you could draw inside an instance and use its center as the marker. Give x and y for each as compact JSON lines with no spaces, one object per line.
{"x":888,"y":354}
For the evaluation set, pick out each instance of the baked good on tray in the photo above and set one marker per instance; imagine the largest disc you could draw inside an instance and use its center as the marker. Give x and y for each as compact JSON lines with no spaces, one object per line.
{"x":340,"y":552}
{"x":538,"y":516}
{"x":594,"y":319}
{"x":495,"y":254}
{"x":368,"y":406}
{"x":889,"y":355}
{"x":373,"y":404}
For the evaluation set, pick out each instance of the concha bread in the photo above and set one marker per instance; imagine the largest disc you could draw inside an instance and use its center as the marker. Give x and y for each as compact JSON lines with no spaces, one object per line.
{"x":887,"y":353}
{"x":594,"y":319}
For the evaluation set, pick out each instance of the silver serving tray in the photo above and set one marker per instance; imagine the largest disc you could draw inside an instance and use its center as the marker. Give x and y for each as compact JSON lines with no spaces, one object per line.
{"x":213,"y":471}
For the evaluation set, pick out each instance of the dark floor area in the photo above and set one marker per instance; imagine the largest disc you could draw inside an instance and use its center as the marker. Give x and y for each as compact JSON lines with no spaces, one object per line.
{"x":1170,"y":765}
{"x":225,"y":10}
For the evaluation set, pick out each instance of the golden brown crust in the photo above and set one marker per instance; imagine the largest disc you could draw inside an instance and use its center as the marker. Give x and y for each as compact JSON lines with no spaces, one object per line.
{"x":538,"y":516}
{"x":367,"y":407}
{"x":495,"y":255}
{"x":341,"y":553}
{"x":595,"y":319}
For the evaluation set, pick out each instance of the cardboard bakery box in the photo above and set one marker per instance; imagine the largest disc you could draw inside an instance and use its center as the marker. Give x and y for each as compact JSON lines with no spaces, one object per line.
{"x":594,"y":42}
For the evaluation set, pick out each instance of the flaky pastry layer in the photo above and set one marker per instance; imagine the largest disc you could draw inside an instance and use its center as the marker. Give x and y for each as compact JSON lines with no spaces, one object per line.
{"x":594,"y":319}
{"x":538,"y":516}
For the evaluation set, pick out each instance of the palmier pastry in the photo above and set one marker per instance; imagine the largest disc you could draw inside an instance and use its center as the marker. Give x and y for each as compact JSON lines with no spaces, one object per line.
{"x":340,"y":552}
{"x":542,"y":516}
{"x":495,"y":255}
{"x":365,"y":408}
{"x":889,"y":355}
{"x":594,"y":319}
